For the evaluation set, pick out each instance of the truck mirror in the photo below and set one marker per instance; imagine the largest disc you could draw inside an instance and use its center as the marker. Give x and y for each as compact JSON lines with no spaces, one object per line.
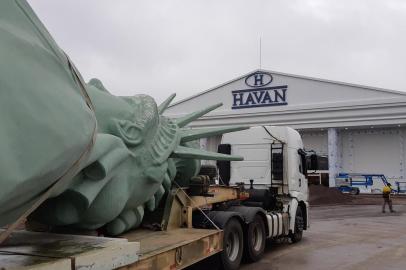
{"x":314,"y":162}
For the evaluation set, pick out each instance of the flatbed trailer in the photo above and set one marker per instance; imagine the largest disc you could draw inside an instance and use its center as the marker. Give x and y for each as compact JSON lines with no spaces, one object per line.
{"x":178,"y":246}
{"x":140,"y":249}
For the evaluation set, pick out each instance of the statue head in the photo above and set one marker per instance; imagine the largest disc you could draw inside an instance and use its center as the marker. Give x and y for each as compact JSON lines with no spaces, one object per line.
{"x":137,"y":154}
{"x":149,"y":137}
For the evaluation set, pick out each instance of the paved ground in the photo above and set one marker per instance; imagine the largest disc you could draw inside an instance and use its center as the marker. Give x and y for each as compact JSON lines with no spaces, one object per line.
{"x":352,"y":237}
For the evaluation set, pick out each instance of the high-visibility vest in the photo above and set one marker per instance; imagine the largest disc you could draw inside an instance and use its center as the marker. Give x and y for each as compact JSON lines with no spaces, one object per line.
{"x":386,"y":190}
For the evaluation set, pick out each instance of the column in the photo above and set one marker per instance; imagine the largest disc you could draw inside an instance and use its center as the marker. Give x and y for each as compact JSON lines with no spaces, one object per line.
{"x":332,"y":156}
{"x":402,"y":155}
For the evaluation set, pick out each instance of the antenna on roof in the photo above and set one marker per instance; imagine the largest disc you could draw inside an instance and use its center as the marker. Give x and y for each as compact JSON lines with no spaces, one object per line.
{"x":260,"y":52}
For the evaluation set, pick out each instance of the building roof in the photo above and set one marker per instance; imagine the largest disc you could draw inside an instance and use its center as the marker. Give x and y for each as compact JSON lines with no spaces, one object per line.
{"x":293,"y":76}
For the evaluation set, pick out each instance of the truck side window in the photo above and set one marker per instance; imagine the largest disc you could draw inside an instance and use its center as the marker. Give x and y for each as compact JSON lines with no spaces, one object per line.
{"x":302,"y":162}
{"x":277,"y":161}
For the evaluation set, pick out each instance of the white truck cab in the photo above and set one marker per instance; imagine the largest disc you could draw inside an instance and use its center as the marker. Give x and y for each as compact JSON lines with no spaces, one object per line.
{"x":274,"y":160}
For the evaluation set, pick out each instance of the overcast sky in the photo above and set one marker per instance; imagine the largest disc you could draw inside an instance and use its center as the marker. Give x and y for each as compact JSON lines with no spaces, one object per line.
{"x":187,"y":46}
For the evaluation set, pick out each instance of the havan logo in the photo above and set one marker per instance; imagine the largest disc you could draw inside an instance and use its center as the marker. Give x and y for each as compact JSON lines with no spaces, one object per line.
{"x":260,"y":97}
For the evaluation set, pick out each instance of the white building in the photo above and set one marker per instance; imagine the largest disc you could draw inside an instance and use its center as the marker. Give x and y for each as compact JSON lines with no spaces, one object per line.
{"x":361,"y":129}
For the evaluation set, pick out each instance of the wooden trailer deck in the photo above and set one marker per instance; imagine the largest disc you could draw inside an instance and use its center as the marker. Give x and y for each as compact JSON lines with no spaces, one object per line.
{"x":43,"y":251}
{"x":140,"y":249}
{"x":176,"y":247}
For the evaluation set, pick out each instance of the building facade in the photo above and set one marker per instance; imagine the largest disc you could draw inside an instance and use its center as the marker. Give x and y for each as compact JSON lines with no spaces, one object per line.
{"x":360,"y":129}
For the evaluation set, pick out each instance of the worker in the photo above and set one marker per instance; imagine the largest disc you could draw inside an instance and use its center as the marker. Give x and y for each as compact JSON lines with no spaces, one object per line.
{"x":386,"y":194}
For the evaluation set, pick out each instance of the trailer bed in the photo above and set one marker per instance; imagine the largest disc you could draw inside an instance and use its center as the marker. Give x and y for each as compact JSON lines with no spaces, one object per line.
{"x":36,"y":250}
{"x":177,"y":246}
{"x":139,"y":249}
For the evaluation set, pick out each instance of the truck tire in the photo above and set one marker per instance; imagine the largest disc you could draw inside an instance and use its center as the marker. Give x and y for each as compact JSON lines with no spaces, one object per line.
{"x":296,"y":236}
{"x":354,"y":191}
{"x":233,"y":243}
{"x":255,"y":240}
{"x":210,"y":171}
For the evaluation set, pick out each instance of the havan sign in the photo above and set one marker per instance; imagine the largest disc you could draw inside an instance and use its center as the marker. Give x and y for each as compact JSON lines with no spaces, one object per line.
{"x":259,"y":95}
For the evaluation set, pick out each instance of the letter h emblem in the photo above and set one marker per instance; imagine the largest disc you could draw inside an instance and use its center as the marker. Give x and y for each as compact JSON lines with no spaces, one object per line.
{"x":258,"y":79}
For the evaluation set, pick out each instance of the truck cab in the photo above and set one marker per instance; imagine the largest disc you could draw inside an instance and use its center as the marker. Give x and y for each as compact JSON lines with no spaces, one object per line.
{"x":274,"y":160}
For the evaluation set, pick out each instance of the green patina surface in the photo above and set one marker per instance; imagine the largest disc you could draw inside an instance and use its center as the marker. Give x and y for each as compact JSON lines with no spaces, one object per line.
{"x":46,"y":124}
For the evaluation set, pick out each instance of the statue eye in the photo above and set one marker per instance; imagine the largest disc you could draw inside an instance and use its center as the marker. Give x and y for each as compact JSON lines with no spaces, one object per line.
{"x":129,"y":132}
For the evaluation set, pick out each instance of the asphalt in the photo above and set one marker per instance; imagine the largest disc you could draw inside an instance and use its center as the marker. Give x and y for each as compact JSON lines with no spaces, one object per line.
{"x":355,"y":237}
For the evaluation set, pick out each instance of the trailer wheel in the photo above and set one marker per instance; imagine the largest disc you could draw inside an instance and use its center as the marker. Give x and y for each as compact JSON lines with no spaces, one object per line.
{"x":296,"y":236}
{"x":255,"y":240}
{"x":233,"y":243}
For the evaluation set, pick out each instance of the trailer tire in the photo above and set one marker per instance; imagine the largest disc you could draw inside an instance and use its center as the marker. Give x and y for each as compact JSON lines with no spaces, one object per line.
{"x":233,"y":244}
{"x":296,"y":236}
{"x":255,"y":240}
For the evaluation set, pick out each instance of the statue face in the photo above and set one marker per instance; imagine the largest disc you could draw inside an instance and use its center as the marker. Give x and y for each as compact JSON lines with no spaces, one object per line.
{"x":149,"y":137}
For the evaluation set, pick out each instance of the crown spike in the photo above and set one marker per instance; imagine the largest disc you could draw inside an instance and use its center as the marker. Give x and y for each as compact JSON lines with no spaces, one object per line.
{"x":164,"y":105}
{"x":183,"y":121}
{"x":194,"y":134}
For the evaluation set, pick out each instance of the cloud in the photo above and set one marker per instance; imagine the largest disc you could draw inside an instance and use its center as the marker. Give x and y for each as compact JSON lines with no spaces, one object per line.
{"x":161,"y":47}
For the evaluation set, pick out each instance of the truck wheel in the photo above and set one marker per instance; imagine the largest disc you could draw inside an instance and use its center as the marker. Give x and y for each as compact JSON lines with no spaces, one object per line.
{"x":233,"y":243}
{"x":296,"y":236}
{"x":255,"y":240}
{"x":354,"y":191}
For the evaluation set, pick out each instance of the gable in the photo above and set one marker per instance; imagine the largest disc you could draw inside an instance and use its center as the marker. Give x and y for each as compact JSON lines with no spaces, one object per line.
{"x":263,"y":91}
